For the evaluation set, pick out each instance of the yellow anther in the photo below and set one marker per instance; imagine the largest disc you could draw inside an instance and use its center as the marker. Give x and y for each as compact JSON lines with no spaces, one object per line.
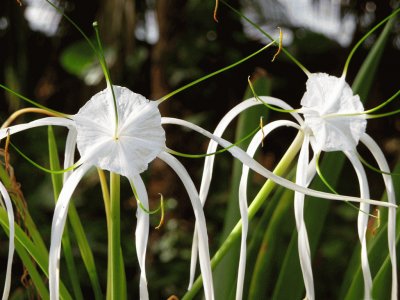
{"x":262,"y":131}
{"x":280,"y":44}
{"x":215,"y":11}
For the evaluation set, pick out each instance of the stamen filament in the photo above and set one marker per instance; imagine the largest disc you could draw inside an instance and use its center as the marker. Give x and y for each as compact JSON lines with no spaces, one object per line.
{"x":369,"y":166}
{"x":148,"y":211}
{"x":41,"y":167}
{"x":323,"y":179}
{"x":216,"y":11}
{"x":213,"y":153}
{"x":265,"y":103}
{"x":54,"y":112}
{"x":383,"y":104}
{"x":213,"y":74}
{"x":291,"y":57}
{"x":346,"y":66}
{"x":280,"y":44}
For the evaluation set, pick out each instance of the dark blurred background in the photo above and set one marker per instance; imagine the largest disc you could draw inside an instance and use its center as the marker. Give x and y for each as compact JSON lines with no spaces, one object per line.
{"x":154,"y":47}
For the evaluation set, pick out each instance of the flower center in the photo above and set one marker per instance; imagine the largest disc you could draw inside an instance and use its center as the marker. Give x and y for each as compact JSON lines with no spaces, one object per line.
{"x":138,"y":140}
{"x":329,"y":107}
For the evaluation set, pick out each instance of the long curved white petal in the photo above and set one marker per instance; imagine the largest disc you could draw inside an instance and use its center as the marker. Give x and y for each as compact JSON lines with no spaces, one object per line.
{"x":212,"y":147}
{"x":362,"y":221}
{"x":37,"y":123}
{"x":57,"y":228}
{"x":10,"y":215}
{"x":223,"y":124}
{"x":204,"y":254}
{"x":142,"y":234}
{"x":253,"y":146}
{"x":383,"y":165}
{"x":69,"y":151}
{"x":252,"y":164}
{"x":302,"y":240}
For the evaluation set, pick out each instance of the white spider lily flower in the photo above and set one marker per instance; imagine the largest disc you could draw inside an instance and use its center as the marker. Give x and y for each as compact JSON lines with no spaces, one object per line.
{"x":127,"y":150}
{"x":334,"y":120}
{"x":327,"y":106}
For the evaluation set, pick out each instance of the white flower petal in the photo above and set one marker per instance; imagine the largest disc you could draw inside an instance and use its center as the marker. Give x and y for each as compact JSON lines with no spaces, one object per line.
{"x":10,"y":214}
{"x":253,"y":146}
{"x":212,"y":147}
{"x":326,"y":97}
{"x":138,"y":140}
{"x":252,"y":164}
{"x":37,"y":123}
{"x":69,"y":151}
{"x":383,"y":165}
{"x":362,"y":221}
{"x":142,"y":234}
{"x":57,"y":228}
{"x":302,"y":240}
{"x":204,"y":254}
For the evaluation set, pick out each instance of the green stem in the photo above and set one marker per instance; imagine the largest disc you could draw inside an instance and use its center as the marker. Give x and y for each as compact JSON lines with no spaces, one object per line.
{"x":256,"y":204}
{"x":115,"y":241}
{"x":106,"y":199}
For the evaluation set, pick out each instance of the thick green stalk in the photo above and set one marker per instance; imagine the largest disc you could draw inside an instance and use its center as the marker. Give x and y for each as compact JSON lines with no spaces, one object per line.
{"x":256,"y":204}
{"x":117,"y":276}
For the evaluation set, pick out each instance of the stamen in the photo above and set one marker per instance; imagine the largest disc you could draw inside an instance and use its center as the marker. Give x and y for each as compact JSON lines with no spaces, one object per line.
{"x":346,"y":66}
{"x":375,"y":223}
{"x":262,"y":131}
{"x":383,"y":104}
{"x":54,"y":112}
{"x":151,"y":212}
{"x":215,"y":11}
{"x":280,"y":44}
{"x":214,"y":73}
{"x":213,"y":153}
{"x":6,"y":153}
{"x":291,"y":57}
{"x":19,"y":2}
{"x":266,"y":104}
{"x":323,"y":179}
{"x":369,"y":166}
{"x":41,"y":167}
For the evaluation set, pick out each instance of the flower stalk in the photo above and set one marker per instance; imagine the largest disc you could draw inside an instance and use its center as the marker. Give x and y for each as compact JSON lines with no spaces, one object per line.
{"x":115,"y":239}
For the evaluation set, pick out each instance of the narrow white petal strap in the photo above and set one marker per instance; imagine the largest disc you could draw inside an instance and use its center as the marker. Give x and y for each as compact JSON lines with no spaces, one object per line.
{"x":383,"y":165}
{"x":302,"y":240}
{"x":142,"y":234}
{"x":69,"y":151}
{"x":204,"y":254}
{"x":220,"y":129}
{"x":243,"y":204}
{"x":57,"y":228}
{"x":10,"y":215}
{"x":362,"y":221}
{"x":254,"y":165}
{"x":37,"y":123}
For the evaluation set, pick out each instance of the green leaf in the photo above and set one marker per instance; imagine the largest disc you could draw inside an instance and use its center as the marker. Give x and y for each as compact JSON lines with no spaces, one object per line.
{"x":40,"y":257}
